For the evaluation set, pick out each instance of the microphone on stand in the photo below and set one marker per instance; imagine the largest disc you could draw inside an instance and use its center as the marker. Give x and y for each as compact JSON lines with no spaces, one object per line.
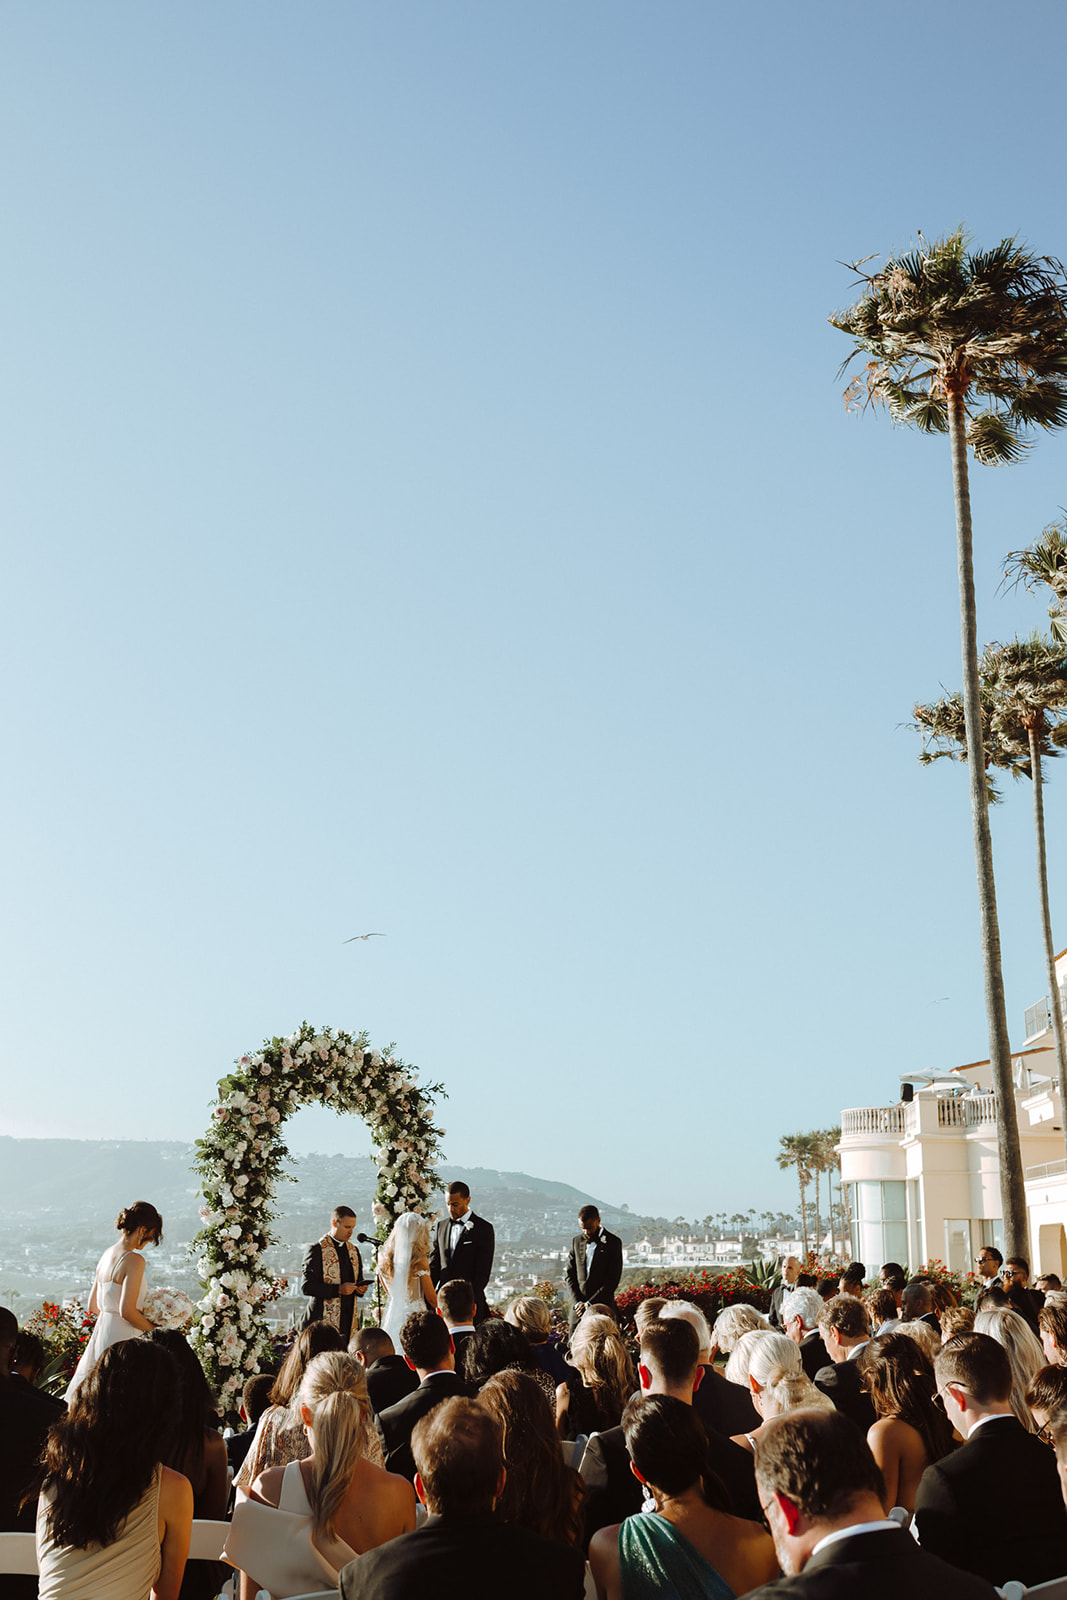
{"x":368,"y":1238}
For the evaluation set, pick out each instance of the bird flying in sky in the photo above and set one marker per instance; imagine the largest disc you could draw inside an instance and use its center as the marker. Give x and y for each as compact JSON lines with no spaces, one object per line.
{"x":356,"y":936}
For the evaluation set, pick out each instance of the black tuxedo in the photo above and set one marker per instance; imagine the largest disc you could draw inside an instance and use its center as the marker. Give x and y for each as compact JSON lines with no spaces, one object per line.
{"x":598,"y":1284}
{"x":841,"y":1381}
{"x":612,"y":1493}
{"x":396,"y":1422}
{"x":389,"y":1379}
{"x":779,"y":1294}
{"x":812,"y":1353}
{"x":473,"y":1258}
{"x":314,"y":1284}
{"x":724,"y":1407}
{"x":883,"y":1565}
{"x":465,"y":1558}
{"x":994,"y":1506}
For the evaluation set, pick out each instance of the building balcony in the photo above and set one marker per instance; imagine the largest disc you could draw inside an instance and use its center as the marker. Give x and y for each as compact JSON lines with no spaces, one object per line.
{"x":926,"y":1114}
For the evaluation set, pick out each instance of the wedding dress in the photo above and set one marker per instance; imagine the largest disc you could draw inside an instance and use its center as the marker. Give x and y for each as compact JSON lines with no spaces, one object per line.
{"x":402,"y":1302}
{"x":111,"y":1326}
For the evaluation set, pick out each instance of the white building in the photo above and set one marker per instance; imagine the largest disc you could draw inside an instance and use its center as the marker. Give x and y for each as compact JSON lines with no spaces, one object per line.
{"x":922,"y":1174}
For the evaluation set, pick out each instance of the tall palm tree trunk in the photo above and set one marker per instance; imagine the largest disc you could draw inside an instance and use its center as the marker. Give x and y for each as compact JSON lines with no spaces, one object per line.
{"x":1046,"y":923}
{"x":803,"y":1205}
{"x":1012,"y":1194}
{"x":818,"y":1220}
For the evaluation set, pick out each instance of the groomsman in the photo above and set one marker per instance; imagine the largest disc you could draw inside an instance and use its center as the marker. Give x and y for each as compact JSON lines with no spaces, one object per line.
{"x":331,"y":1278}
{"x":595,"y":1264}
{"x":463,"y":1247}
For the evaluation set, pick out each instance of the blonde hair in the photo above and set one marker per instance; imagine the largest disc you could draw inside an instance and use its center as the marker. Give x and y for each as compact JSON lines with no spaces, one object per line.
{"x":334,"y":1390}
{"x":741,"y":1355}
{"x":774,"y":1364}
{"x":928,"y":1339}
{"x":648,"y":1311}
{"x":531,"y":1316}
{"x":416,"y":1232}
{"x":734,"y":1321}
{"x":602,"y":1359}
{"x":1025,"y":1355}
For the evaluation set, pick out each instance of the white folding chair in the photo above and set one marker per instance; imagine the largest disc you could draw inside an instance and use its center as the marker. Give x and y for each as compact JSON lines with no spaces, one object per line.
{"x":18,"y":1553}
{"x":590,"y":1586}
{"x":900,"y":1516}
{"x":208,"y":1539}
{"x":1054,"y":1589}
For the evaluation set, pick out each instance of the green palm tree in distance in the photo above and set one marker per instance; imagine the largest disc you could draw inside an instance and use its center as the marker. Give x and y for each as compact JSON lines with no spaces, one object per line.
{"x":796,"y":1152}
{"x":972,"y":344}
{"x":1023,"y":692}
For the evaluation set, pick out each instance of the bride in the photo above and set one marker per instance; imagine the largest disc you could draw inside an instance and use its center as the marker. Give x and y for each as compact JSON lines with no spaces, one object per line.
{"x":404,"y":1269}
{"x":119,"y":1288}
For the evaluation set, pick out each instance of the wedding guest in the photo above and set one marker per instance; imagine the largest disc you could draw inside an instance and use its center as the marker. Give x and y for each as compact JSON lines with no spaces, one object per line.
{"x":594,"y":1265}
{"x":912,"y":1430}
{"x":917,"y":1304}
{"x":463,"y":1247}
{"x":255,"y":1398}
{"x":462,"y":1548}
{"x":456,"y":1303}
{"x":959,"y":1319}
{"x":540,"y":1492}
{"x":1052,"y":1325}
{"x":280,"y":1436}
{"x":1048,"y":1283}
{"x":119,"y":1288}
{"x":27,"y":1358}
{"x":332,"y":1276}
{"x":1046,"y":1396}
{"x":428,"y":1351}
{"x":26,"y":1414}
{"x":778,"y":1382}
{"x":881,"y":1307}
{"x":989,"y":1261}
{"x":731,"y":1323}
{"x":793,"y":1277}
{"x":823,"y":1495}
{"x":852,"y":1280}
{"x":389,"y":1378}
{"x":198,"y":1452}
{"x":339,"y":1504}
{"x":826,"y":1288}
{"x":1014,"y":1276}
{"x":928,"y":1339}
{"x":691,"y":1543}
{"x":600,"y":1381}
{"x":994,"y":1506}
{"x":647,"y":1311}
{"x":737,"y":1368}
{"x":800,"y":1313}
{"x":843,"y":1326}
{"x":498,"y":1346}
{"x":1025,"y":1355}
{"x":112,"y":1520}
{"x":534,"y":1320}
{"x":722,"y":1407}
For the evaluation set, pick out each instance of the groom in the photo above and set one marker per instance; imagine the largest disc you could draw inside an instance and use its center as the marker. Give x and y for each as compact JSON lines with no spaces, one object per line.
{"x":463,"y":1247}
{"x":332,"y":1278}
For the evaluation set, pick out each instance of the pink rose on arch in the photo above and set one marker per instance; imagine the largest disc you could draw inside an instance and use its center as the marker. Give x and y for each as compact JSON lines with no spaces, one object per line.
{"x":264,"y":1071}
{"x":221,"y":1113}
{"x":274,"y":1116}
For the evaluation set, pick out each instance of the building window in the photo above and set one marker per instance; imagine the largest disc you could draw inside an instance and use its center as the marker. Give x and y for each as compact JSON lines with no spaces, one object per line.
{"x":879,"y":1222}
{"x":958,"y":1244}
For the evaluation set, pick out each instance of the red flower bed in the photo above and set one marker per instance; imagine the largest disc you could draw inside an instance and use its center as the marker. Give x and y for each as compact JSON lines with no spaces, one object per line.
{"x":711,"y":1292}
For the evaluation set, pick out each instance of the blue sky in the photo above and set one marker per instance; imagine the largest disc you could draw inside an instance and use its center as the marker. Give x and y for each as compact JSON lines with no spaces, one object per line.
{"x":430,"y":508}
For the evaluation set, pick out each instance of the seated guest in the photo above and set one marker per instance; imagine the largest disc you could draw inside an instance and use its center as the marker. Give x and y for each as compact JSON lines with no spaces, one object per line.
{"x":733,"y":1322}
{"x":959,"y":1319}
{"x":843,"y":1326}
{"x":112,"y":1520}
{"x":456,"y":1303}
{"x":198,"y":1452}
{"x":540,"y":1492}
{"x":427,"y":1348}
{"x":1024,"y":1354}
{"x":881,"y":1311}
{"x":1046,"y":1395}
{"x":852,"y":1280}
{"x":888,"y":1270}
{"x":668,"y":1365}
{"x":647,"y":1311}
{"x":690,"y":1544}
{"x":26,"y":1414}
{"x":778,"y":1382}
{"x":824,"y":1499}
{"x":928,"y":1339}
{"x":534,"y":1321}
{"x":800,"y":1314}
{"x":827,"y":1288}
{"x":1052,"y":1325}
{"x":280,"y":1436}
{"x":994,"y":1505}
{"x":498,"y":1346}
{"x":255,"y":1398}
{"x":599,"y":1382}
{"x":722,"y":1407}
{"x":389,"y":1378}
{"x":741,"y":1358}
{"x":1048,"y":1283}
{"x":337,"y":1504}
{"x":912,"y":1430}
{"x":27,"y":1358}
{"x":917,"y":1305}
{"x":463,"y":1548}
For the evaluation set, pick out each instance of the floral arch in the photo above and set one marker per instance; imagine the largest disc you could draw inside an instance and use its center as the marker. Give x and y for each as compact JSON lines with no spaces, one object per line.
{"x":240,"y":1159}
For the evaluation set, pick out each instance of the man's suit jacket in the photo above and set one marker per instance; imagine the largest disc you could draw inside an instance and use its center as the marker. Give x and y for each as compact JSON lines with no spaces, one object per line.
{"x":994,"y":1506}
{"x":315,"y":1286}
{"x":842,"y":1382}
{"x":812,"y":1353}
{"x":389,"y":1379}
{"x":612,"y":1493}
{"x":466,"y":1558}
{"x":724,"y":1407}
{"x":473,"y":1259}
{"x":598,"y":1284}
{"x":778,"y":1295}
{"x":396,"y":1422}
{"x":884,"y":1565}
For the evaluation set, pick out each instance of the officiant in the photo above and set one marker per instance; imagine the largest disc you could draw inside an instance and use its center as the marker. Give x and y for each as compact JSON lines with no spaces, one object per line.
{"x":333,"y":1276}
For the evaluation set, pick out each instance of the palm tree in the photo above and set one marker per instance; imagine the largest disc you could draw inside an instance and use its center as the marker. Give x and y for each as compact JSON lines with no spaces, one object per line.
{"x":796,"y":1152}
{"x":1044,"y":563}
{"x":947,"y":330}
{"x":816,"y":1166}
{"x":1023,"y":693}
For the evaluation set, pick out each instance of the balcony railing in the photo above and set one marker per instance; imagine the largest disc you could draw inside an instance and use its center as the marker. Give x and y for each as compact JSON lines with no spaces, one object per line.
{"x":1051,"y":1169}
{"x":963,"y":1112}
{"x":872,"y":1119}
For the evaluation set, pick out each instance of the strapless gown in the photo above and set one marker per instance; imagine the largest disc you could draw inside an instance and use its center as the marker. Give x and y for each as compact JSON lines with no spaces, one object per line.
{"x":126,"y":1569}
{"x":111,"y":1328}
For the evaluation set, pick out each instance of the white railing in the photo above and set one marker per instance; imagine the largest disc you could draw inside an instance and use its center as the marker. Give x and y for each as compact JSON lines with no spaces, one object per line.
{"x":981,"y":1109}
{"x":951,"y":1114}
{"x":872,"y":1119}
{"x":1051,"y":1169}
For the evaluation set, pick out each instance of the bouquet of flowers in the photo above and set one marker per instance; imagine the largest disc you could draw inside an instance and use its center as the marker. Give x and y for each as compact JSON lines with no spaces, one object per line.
{"x":168,"y":1308}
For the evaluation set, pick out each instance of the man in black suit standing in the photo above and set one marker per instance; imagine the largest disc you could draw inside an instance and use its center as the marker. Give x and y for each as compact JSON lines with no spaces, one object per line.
{"x":463,"y":1247}
{"x":594,"y":1266}
{"x":844,"y":1330}
{"x":428,"y":1351}
{"x":821,"y":1492}
{"x":462,"y":1551}
{"x":389,"y":1378}
{"x":792,"y":1278}
{"x":994,"y":1506}
{"x":331,"y":1278}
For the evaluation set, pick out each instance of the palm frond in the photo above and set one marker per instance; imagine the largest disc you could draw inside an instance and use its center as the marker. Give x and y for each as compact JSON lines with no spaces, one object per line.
{"x":994,"y":440}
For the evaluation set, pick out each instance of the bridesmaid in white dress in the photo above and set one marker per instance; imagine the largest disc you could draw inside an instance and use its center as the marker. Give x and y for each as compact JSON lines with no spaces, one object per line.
{"x":404,"y":1268}
{"x":119,"y":1288}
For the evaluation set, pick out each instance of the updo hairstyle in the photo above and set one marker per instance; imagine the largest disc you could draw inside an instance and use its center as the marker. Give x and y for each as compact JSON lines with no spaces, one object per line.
{"x":142,"y":1214}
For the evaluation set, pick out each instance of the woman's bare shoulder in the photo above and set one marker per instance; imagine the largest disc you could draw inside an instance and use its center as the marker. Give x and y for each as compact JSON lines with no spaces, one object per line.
{"x":175,"y":1493}
{"x":268,"y":1486}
